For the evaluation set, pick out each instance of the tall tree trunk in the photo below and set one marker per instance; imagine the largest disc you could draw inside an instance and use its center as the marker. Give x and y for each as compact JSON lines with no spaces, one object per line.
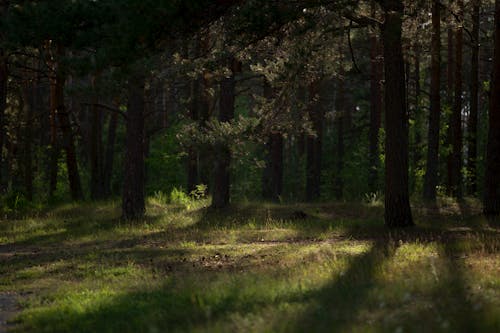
{"x":376,"y":77}
{"x":456,"y":123}
{"x":314,"y":146}
{"x":67,"y":141}
{"x":431,"y":174}
{"x":96,"y":153}
{"x":492,"y":177}
{"x":29,"y":91}
{"x":3,"y":106}
{"x":221,"y":185}
{"x":133,"y":204}
{"x":110,"y":153}
{"x":397,"y":202}
{"x":474,"y":102}
{"x":272,"y":180}
{"x":340,"y":108}
{"x":450,"y":77}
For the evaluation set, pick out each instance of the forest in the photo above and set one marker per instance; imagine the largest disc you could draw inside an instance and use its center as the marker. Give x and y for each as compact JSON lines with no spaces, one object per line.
{"x":249,"y":166}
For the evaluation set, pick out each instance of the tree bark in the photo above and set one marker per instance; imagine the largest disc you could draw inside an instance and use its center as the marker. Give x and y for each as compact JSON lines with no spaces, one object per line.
{"x":222,"y":181}
{"x":450,"y":77}
{"x":456,"y":123}
{"x":431,"y":174}
{"x":376,"y":77}
{"x":96,"y":152}
{"x":397,"y":203}
{"x":3,"y":106}
{"x":110,"y":153}
{"x":474,"y":102}
{"x":29,"y":91}
{"x":272,"y":180}
{"x":133,"y":204}
{"x":340,"y":108}
{"x":314,"y":146}
{"x":491,"y":203}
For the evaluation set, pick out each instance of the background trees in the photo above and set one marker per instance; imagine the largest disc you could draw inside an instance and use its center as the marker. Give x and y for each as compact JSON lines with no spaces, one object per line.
{"x":281,"y":100}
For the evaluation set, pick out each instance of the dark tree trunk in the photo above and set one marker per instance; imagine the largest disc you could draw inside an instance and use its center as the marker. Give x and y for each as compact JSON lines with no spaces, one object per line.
{"x":29,"y":104}
{"x":272,"y":180}
{"x":110,"y":153}
{"x":96,"y":152}
{"x":133,"y":205}
{"x":376,"y":77}
{"x":3,"y":105}
{"x":273,"y":173}
{"x":314,"y":146}
{"x":474,"y":102}
{"x":417,"y":128}
{"x":450,"y":77}
{"x":340,"y":108}
{"x":221,"y":185}
{"x":431,"y":174}
{"x":67,"y":140}
{"x":456,"y":120}
{"x":492,"y":176}
{"x":397,"y":203}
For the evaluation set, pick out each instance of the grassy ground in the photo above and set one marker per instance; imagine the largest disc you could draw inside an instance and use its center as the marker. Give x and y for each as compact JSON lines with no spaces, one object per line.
{"x":254,"y":268}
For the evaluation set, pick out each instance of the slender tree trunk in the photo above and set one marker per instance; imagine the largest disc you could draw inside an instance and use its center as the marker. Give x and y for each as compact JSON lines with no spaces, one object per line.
{"x":272,"y":180}
{"x":397,"y":203}
{"x":133,"y":204}
{"x":67,"y":140}
{"x":96,"y":154}
{"x":417,"y":144}
{"x":492,"y":177}
{"x":456,"y":123}
{"x":340,"y":107}
{"x":474,"y":102}
{"x":29,"y":92}
{"x":3,"y":106}
{"x":221,"y":185}
{"x":450,"y":77}
{"x":314,"y":146}
{"x":194,"y":112}
{"x":376,"y":77}
{"x":110,"y":153}
{"x":431,"y":174}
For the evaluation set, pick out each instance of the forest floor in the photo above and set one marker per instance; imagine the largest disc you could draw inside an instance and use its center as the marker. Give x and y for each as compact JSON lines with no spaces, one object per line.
{"x":253,"y":268}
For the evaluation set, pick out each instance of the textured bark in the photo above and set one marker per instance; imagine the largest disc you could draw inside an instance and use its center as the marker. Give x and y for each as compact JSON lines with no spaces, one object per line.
{"x":110,"y":153}
{"x":456,"y":118}
{"x":221,"y":185}
{"x":314,"y":146}
{"x":397,"y":203}
{"x":474,"y":102}
{"x":431,"y":174}
{"x":133,"y":205}
{"x":491,"y":204}
{"x":376,"y":77}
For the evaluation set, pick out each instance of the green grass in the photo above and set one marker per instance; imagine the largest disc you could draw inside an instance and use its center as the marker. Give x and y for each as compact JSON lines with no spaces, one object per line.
{"x":253,"y":268}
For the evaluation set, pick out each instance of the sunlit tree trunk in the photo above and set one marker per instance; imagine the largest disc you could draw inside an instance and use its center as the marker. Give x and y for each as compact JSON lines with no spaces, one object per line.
{"x":397,"y":203}
{"x":431,"y":174}
{"x":492,"y":176}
